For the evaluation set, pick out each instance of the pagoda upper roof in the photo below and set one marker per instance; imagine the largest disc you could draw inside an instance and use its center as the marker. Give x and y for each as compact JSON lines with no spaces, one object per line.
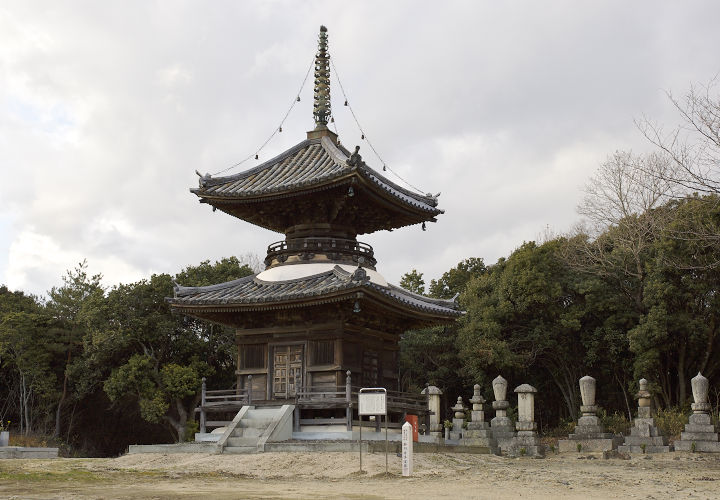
{"x":264,"y":194}
{"x":334,"y":285}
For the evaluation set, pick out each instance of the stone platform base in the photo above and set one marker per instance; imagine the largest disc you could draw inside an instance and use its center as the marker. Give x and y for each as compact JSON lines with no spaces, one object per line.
{"x":648,"y":449}
{"x":23,"y":452}
{"x":700,"y":446}
{"x":589,"y":444}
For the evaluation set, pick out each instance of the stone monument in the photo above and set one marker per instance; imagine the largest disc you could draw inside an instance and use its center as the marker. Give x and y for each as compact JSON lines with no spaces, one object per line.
{"x":458,"y":419}
{"x":644,"y":436}
{"x":501,"y":425}
{"x":433,"y":396}
{"x":526,"y":442}
{"x":699,"y":434}
{"x":589,"y":432}
{"x":478,"y":431}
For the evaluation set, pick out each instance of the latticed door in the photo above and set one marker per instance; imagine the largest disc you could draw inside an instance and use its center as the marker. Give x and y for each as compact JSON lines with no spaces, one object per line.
{"x":287,"y":368}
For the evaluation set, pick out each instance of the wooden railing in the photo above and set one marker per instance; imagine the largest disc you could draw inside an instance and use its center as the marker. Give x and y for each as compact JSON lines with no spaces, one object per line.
{"x":315,"y":397}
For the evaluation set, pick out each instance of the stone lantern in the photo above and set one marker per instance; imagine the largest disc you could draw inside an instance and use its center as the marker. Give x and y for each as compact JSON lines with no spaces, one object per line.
{"x":526,"y":442}
{"x":433,"y":398}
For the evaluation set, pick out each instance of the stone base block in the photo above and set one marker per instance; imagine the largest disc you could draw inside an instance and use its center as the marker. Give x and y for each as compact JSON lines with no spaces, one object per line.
{"x":708,"y":429}
{"x":474,"y":426}
{"x":648,"y":449}
{"x":477,"y":433}
{"x":700,"y":419}
{"x":590,"y":431}
{"x":521,"y":426}
{"x":647,"y":441}
{"x":487,"y":442}
{"x":592,"y":444}
{"x":589,"y":421}
{"x":528,"y":446}
{"x":699,"y":436}
{"x":700,"y":446}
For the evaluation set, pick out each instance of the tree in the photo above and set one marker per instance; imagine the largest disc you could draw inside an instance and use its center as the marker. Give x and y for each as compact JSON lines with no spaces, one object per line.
{"x":413,"y":282}
{"x":453,"y":282}
{"x":160,"y":358}
{"x":694,"y":145}
{"x":526,"y":314}
{"x":68,"y":305}
{"x":26,"y":357}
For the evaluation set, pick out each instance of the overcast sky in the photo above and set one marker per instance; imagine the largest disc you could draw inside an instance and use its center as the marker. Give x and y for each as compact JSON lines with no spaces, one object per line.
{"x":107,"y":108}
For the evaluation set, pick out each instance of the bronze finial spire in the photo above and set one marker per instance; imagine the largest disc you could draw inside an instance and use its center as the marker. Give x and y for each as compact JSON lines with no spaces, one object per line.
{"x":321,"y":107}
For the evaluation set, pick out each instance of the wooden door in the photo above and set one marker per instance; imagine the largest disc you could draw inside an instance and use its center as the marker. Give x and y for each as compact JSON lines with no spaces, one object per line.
{"x":287,"y":368}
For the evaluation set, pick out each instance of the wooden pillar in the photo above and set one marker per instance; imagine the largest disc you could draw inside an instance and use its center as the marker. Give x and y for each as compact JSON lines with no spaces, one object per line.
{"x":202,"y":406}
{"x":348,"y":400}
{"x":427,"y":415}
{"x":296,"y":413}
{"x":249,"y":389}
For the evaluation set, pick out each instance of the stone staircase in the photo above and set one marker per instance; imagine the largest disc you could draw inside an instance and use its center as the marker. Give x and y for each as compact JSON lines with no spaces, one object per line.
{"x":253,"y":427}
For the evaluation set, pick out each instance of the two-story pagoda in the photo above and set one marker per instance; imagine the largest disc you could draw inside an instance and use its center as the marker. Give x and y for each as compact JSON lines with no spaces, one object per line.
{"x":320,"y":308}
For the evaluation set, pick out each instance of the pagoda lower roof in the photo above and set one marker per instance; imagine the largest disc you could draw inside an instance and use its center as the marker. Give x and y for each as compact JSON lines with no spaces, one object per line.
{"x":317,"y":164}
{"x":334,"y":285}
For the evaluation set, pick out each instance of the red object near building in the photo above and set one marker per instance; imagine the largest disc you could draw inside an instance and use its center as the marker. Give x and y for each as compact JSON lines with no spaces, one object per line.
{"x":414,"y":422}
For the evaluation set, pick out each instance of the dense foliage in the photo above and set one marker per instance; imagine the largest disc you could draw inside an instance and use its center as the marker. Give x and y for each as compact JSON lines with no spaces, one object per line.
{"x":101,"y":369}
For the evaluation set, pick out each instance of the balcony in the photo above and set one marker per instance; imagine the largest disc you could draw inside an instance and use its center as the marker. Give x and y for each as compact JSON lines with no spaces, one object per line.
{"x":339,"y":250}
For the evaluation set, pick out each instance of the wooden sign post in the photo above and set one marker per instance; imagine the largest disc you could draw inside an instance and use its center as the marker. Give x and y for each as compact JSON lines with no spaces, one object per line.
{"x":373,"y":401}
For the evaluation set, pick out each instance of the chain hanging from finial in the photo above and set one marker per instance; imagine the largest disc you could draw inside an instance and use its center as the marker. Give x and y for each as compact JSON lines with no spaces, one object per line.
{"x":321,"y":108}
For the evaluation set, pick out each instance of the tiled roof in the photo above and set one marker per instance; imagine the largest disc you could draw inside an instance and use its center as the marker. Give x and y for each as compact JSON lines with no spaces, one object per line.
{"x":251,"y":291}
{"x":311,"y":163}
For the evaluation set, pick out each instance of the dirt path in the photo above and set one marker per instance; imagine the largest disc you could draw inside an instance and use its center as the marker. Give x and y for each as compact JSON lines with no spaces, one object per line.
{"x":335,"y":475}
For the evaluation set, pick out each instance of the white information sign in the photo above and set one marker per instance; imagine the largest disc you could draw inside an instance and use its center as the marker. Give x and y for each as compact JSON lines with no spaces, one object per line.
{"x":407,"y":449}
{"x":372,"y":403}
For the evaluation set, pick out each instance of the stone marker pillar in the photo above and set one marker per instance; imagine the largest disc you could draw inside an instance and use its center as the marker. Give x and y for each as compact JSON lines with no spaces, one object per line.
{"x":501,"y":426}
{"x":407,"y":449}
{"x":526,"y":442}
{"x":478,"y":431}
{"x":644,"y":436}
{"x":699,"y":432}
{"x":433,"y":395}
{"x":589,"y":432}
{"x":458,"y":419}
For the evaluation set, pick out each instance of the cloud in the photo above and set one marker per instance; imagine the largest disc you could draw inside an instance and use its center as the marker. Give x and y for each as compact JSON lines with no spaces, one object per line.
{"x":106,"y":111}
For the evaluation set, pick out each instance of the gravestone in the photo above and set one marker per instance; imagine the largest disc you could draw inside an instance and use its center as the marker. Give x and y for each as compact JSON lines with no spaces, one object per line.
{"x":458,"y":419}
{"x":699,"y":434}
{"x":589,"y":432}
{"x":644,"y":436}
{"x":501,"y":426}
{"x":478,"y":431}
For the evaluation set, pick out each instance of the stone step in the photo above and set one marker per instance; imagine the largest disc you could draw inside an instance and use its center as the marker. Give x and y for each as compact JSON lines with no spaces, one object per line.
{"x":262,"y":413}
{"x":254,"y":432}
{"x":240,"y":450}
{"x":254,"y":423}
{"x":242,"y":441}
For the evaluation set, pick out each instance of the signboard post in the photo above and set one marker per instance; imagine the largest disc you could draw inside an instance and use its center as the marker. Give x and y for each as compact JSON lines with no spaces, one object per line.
{"x":373,"y":401}
{"x":407,"y":449}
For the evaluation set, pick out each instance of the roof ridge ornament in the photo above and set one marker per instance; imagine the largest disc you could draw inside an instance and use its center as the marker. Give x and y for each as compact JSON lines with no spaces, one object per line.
{"x":321,"y":106}
{"x":355,"y":159}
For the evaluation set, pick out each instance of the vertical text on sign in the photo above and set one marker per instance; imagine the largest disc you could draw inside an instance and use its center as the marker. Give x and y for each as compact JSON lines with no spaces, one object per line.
{"x":407,"y":449}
